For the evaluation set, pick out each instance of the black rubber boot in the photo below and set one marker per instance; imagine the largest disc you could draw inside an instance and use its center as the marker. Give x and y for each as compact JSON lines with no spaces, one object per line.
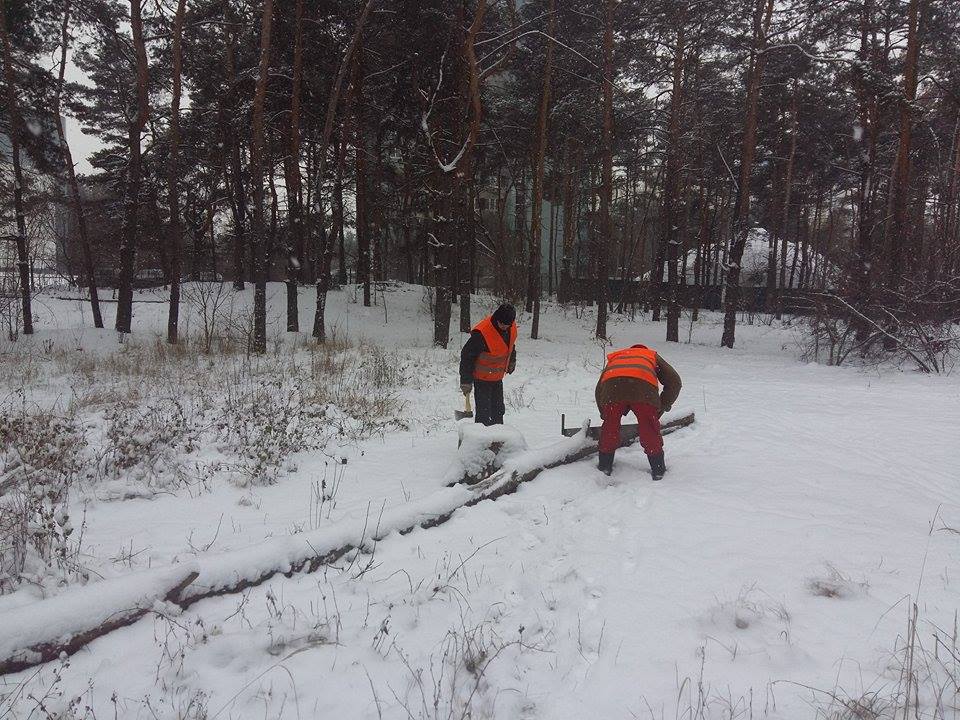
{"x":606,"y":463}
{"x":657,"y":466}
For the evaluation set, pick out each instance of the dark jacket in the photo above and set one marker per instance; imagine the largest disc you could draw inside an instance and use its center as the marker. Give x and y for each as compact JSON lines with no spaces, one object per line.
{"x":635,"y":391}
{"x":472,"y":348}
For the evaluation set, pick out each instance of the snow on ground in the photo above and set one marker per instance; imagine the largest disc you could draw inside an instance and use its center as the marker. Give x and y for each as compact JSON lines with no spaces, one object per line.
{"x":769,"y":575}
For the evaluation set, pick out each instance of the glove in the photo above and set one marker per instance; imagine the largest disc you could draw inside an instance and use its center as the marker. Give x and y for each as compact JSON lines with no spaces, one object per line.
{"x":465,"y":388}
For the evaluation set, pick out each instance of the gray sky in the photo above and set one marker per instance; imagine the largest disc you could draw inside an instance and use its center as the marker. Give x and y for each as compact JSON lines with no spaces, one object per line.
{"x":81,"y":145}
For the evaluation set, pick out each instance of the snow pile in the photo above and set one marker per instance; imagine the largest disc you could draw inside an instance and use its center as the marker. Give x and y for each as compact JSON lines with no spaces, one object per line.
{"x":483,"y":450}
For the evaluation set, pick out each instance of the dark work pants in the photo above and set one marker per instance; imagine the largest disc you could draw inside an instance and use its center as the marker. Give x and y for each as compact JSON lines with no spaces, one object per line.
{"x":488,"y":402}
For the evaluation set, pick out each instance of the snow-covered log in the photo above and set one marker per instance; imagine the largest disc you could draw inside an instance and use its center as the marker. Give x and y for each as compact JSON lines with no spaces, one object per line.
{"x":482,"y":450}
{"x":44,"y":630}
{"x":529,"y":465}
{"x":234,"y":571}
{"x":306,"y":552}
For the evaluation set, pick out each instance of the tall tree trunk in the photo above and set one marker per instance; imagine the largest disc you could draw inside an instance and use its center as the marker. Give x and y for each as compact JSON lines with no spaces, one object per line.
{"x":16,"y":122}
{"x":233,"y":169}
{"x":741,"y":214}
{"x":128,"y":243}
{"x":297,"y":255}
{"x":323,"y":279}
{"x":337,"y":212}
{"x":898,"y":229}
{"x":256,"y":177}
{"x":360,"y":150}
{"x":570,"y":182}
{"x":451,"y":178}
{"x":89,"y":271}
{"x":467,"y":249}
{"x":868,"y":134}
{"x":606,"y":189}
{"x":540,"y":152}
{"x":671,"y":196}
{"x":785,"y":212}
{"x":173,"y":180}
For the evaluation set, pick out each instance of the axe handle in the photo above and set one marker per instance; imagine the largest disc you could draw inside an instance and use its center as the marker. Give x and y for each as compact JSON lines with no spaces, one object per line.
{"x":466,"y":403}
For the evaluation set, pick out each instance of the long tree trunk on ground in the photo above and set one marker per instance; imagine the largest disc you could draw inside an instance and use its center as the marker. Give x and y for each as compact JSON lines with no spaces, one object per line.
{"x":606,"y":188}
{"x":671,"y":196}
{"x":898,"y":229}
{"x":297,"y":253}
{"x":16,"y":122}
{"x":173,"y":180}
{"x":540,"y":152}
{"x":89,"y":271}
{"x":323,"y":277}
{"x":741,"y":216}
{"x":256,"y":178}
{"x":128,"y":243}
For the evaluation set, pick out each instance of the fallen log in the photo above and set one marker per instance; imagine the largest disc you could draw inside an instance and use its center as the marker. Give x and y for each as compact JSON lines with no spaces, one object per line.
{"x":43,"y":630}
{"x":508,"y":479}
{"x":234,"y":571}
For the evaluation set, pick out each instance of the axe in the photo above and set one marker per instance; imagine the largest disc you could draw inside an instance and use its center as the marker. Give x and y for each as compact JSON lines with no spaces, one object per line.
{"x":467,"y":411}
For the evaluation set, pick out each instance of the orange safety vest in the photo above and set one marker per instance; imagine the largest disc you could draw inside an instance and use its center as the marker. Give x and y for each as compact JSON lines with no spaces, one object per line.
{"x":633,"y":362}
{"x":492,"y":364}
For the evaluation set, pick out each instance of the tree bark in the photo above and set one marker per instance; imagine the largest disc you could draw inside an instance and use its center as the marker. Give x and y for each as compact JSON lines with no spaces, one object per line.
{"x":540,"y":151}
{"x":671,"y":196}
{"x":238,"y":197}
{"x":451,"y":178}
{"x":606,"y":189}
{"x":326,"y":251}
{"x":785,"y":211}
{"x":741,"y":215}
{"x":16,"y":122}
{"x":898,"y":229}
{"x":173,"y":180}
{"x":89,"y":271}
{"x":256,"y":177}
{"x":128,"y":244}
{"x":360,"y":150}
{"x":571,"y":180}
{"x":296,"y":259}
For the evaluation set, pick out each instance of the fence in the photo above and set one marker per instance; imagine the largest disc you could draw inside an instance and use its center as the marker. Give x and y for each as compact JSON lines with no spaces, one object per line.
{"x":706,"y":297}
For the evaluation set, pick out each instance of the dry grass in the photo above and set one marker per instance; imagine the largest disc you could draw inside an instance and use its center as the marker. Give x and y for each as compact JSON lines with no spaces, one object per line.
{"x":162,"y":417}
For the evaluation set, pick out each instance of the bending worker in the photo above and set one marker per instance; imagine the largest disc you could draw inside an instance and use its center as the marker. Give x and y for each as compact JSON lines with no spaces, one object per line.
{"x":631,"y":381}
{"x":486,"y":357}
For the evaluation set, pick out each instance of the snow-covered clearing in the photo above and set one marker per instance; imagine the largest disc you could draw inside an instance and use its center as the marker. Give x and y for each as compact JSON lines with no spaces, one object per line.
{"x":771,"y":574}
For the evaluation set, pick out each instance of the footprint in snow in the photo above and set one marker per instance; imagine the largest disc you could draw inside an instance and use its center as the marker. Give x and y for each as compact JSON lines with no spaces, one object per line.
{"x":642,"y":498}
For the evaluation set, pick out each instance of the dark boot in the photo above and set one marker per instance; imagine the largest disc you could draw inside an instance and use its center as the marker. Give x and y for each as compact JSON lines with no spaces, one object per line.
{"x":606,"y":463}
{"x":657,"y":466}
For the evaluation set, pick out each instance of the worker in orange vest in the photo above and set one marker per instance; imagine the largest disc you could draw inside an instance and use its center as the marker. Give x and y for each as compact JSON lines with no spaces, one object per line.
{"x":487,"y":356}
{"x":631,"y":381}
